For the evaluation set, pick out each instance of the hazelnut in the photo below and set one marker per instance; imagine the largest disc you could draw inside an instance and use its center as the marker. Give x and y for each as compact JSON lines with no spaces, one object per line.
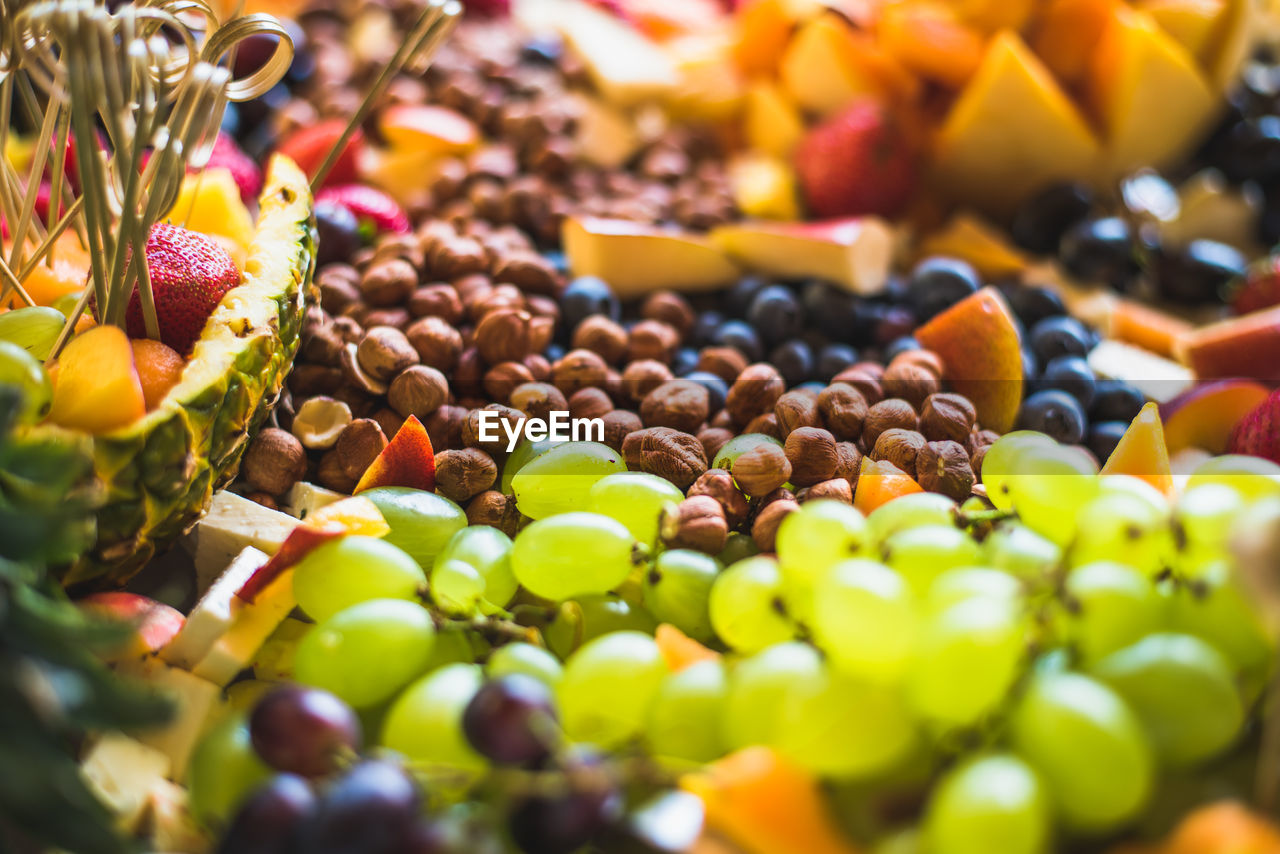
{"x":578,"y":369}
{"x":502,"y":379}
{"x":444,"y":427}
{"x":670,"y":308}
{"x":463,"y":473}
{"x":796,"y":409}
{"x":756,"y":390}
{"x":640,"y":378}
{"x":944,"y":467}
{"x":836,"y":489}
{"x":947,"y":416}
{"x":909,"y":381}
{"x":618,"y":424}
{"x":697,"y":523}
{"x":438,"y":299}
{"x":812,"y":454}
{"x":765,"y":528}
{"x":843,"y":410}
{"x":274,"y":461}
{"x":680,"y":404}
{"x":395,"y":317}
{"x":264,"y":499}
{"x":528,"y":271}
{"x":724,"y":362}
{"x":513,"y":419}
{"x":886,"y":415}
{"x":468,"y":375}
{"x":322,"y":346}
{"x":979,"y":442}
{"x":652,"y":339}
{"x":319,"y":422}
{"x":538,"y":399}
{"x":926,"y":359}
{"x":388,"y":282}
{"x":589,"y":403}
{"x":539,"y":367}
{"x":718,"y":484}
{"x":384,"y":352}
{"x":389,"y":420}
{"x":356,"y":376}
{"x":505,"y":335}
{"x":601,"y":335}
{"x":457,"y":256}
{"x":359,"y":445}
{"x":496,"y":510}
{"x":418,"y":391}
{"x":713,"y":439}
{"x":437,"y":343}
{"x":867,"y":383}
{"x":898,"y":447}
{"x":330,"y":474}
{"x":766,"y":423}
{"x":667,"y":453}
{"x":761,"y":469}
{"x":848,"y":461}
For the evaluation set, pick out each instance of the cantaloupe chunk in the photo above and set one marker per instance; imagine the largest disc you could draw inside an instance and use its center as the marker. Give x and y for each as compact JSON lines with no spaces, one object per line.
{"x":772,"y":123}
{"x":1142,"y":451}
{"x":819,"y":70}
{"x":97,"y":389}
{"x":761,"y":31}
{"x":68,"y":274}
{"x":1191,"y":23}
{"x":932,"y":41}
{"x":1067,"y":33}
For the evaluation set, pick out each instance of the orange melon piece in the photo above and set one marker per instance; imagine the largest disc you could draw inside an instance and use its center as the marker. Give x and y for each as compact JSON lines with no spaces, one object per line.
{"x":1068,"y":32}
{"x":762,"y":29}
{"x":930,"y":40}
{"x":1224,"y":828}
{"x":1142,"y":451}
{"x":68,"y":274}
{"x":1191,"y":23}
{"x":1147,"y":327}
{"x":879,"y":483}
{"x":977,"y":339}
{"x":159,"y":369}
{"x":765,"y":804}
{"x":679,"y":650}
{"x":992,"y":15}
{"x":98,"y":388}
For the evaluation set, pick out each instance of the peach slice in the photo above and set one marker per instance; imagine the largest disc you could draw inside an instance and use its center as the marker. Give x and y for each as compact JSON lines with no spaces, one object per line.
{"x":98,"y":388}
{"x":1244,"y":346}
{"x":427,"y":128}
{"x":1204,"y":416}
{"x":679,"y":650}
{"x":159,"y":369}
{"x":635,"y":258}
{"x":761,"y":29}
{"x":155,"y":623}
{"x":1067,"y":34}
{"x":974,"y":240}
{"x":407,"y":460}
{"x":854,"y":253}
{"x":1142,"y":451}
{"x":66,"y":275}
{"x":879,"y":483}
{"x":765,"y":804}
{"x":977,"y":339}
{"x":928,"y":39}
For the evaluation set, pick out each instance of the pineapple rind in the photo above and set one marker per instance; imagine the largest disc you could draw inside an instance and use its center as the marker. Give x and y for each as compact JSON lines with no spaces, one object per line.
{"x":161,"y":471}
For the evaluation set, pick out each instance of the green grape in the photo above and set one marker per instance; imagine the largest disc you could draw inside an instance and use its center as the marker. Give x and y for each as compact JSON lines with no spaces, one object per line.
{"x":738,"y":546}
{"x":1135,"y":487}
{"x":1048,"y":484}
{"x":1252,"y":477}
{"x":967,"y":660}
{"x":988,"y":804}
{"x":1018,"y":550}
{"x":922,"y":554}
{"x":758,"y":686}
{"x":1125,"y":529}
{"x":1182,"y":690}
{"x":452,"y":646}
{"x":424,"y":723}
{"x":865,"y":619}
{"x":608,"y":686}
{"x":488,"y":551}
{"x":910,"y":511}
{"x":457,"y":587}
{"x":572,"y":554}
{"x":999,"y":463}
{"x":635,"y":499}
{"x":1089,"y":748}
{"x":678,"y":591}
{"x":367,"y":652}
{"x":957,"y":585}
{"x":421,"y":522}
{"x":20,"y":368}
{"x":349,"y":570}
{"x":818,"y":536}
{"x":739,"y":445}
{"x":684,"y":719}
{"x":1217,"y":610}
{"x":33,"y":328}
{"x":517,"y":459}
{"x":223,"y":771}
{"x":899,"y":842}
{"x":746,"y":605}
{"x":837,"y":726}
{"x":527,"y":659}
{"x":1110,"y":606}
{"x":556,"y":481}
{"x":589,"y":617}
{"x":1203,"y":521}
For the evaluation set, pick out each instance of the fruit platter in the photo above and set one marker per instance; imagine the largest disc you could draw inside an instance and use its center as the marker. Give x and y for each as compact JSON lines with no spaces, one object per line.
{"x":640,"y":426}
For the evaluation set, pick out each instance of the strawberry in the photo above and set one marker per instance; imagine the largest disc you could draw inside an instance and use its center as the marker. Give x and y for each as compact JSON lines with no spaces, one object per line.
{"x":1260,"y":288}
{"x":309,"y":146}
{"x":227,"y":155}
{"x":372,"y":207}
{"x":190,"y":272}
{"x":858,"y":162}
{"x":1258,"y":433}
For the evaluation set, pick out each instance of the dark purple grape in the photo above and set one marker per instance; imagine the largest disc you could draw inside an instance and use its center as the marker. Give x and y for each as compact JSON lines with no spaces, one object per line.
{"x":542,"y":50}
{"x":1269,"y":220}
{"x":252,"y":53}
{"x":740,"y":336}
{"x":894,"y":323}
{"x":668,"y":823}
{"x":1059,"y":336}
{"x":937,"y":283}
{"x":1054,"y":413}
{"x":511,"y":720}
{"x":561,"y":823}
{"x":1071,"y":374}
{"x":1039,"y":224}
{"x":302,"y":730}
{"x":1198,"y":272}
{"x":338,"y":233}
{"x":1103,"y":438}
{"x":776,"y":314}
{"x":1032,"y":304}
{"x":705,"y":328}
{"x":738,"y":298}
{"x":715,"y":385}
{"x":898,"y":346}
{"x":585,"y":296}
{"x":1116,"y":401}
{"x":794,"y":360}
{"x":684,"y":361}
{"x":1250,"y":151}
{"x":832,"y":359}
{"x":1101,"y":250}
{"x":270,"y":818}
{"x":372,"y":809}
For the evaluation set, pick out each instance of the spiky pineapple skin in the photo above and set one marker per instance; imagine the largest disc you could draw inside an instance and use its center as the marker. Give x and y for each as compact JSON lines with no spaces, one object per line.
{"x":160,"y":472}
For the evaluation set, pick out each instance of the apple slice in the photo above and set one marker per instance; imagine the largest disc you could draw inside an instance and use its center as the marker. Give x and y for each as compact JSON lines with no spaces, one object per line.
{"x":214,"y":614}
{"x":636,"y":259}
{"x":1244,"y":346}
{"x":1158,"y":378}
{"x":853,"y":253}
{"x":428,"y":129}
{"x":232,"y":523}
{"x":1204,"y":415}
{"x":407,"y":460}
{"x":627,"y":67}
{"x":155,"y":623}
{"x":252,"y":624}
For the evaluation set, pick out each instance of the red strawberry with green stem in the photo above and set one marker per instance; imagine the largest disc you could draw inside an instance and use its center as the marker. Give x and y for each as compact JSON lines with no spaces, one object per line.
{"x":857,"y":163}
{"x":373,"y":209}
